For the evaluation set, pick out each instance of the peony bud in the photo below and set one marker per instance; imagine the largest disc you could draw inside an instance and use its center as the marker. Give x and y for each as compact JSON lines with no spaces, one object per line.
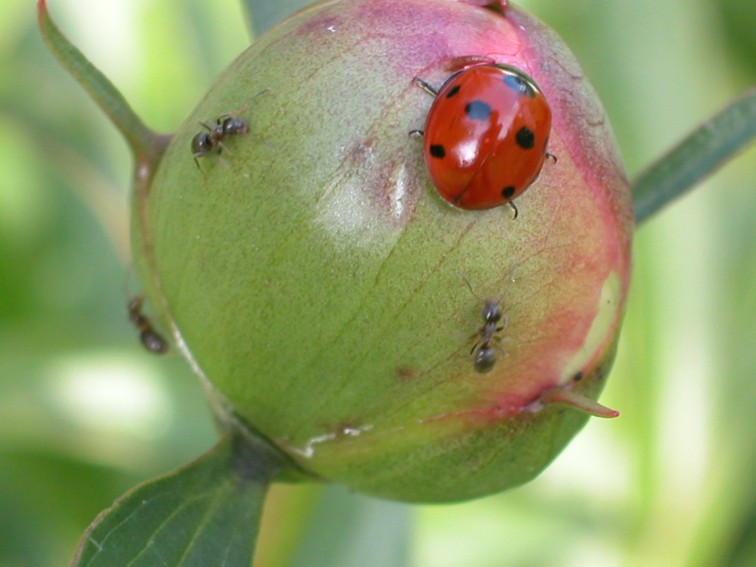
{"x":332,"y":299}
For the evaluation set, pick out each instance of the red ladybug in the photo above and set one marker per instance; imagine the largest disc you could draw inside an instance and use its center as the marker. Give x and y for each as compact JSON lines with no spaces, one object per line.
{"x":485,"y":136}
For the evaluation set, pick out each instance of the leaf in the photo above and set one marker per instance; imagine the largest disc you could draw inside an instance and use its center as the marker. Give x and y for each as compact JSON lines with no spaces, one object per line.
{"x":262,"y":15}
{"x":697,"y":156}
{"x":146,"y":144}
{"x":207,"y":513}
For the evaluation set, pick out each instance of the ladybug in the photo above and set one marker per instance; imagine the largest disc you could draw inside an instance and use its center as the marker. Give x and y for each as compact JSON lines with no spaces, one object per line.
{"x":485,"y":135}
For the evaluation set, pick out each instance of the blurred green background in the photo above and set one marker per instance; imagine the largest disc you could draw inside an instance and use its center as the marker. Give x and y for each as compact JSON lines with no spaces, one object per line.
{"x":86,"y":413}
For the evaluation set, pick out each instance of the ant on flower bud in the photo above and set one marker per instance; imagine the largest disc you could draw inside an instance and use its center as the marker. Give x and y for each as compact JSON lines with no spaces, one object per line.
{"x":494,"y":321}
{"x":212,"y":140}
{"x":485,"y":354}
{"x":150,"y":339}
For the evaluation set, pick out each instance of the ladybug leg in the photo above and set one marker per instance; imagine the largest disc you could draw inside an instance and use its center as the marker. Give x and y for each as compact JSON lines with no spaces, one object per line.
{"x":551,"y":157}
{"x":431,"y":91}
{"x":514,"y":208}
{"x":425,"y":86}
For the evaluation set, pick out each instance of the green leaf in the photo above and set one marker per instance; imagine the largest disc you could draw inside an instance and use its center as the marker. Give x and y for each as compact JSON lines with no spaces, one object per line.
{"x":146,"y":144}
{"x":697,"y":156}
{"x":261,"y":15}
{"x":207,"y":513}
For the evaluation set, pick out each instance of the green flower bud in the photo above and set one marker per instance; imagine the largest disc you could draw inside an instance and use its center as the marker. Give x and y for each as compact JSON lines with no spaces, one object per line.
{"x":307,"y":267}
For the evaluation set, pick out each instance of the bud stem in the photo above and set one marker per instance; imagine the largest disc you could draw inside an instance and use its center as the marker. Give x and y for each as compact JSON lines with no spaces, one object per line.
{"x":147,"y":145}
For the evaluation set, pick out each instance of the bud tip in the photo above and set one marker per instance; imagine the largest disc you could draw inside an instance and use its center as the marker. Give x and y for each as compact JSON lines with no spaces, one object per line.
{"x":565,"y":395}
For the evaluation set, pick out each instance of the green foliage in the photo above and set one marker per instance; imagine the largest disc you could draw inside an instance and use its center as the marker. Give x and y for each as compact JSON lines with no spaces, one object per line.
{"x":142,"y":141}
{"x":206,"y":513}
{"x":709,"y":147}
{"x":669,"y":483}
{"x":368,"y":527}
{"x":264,"y":14}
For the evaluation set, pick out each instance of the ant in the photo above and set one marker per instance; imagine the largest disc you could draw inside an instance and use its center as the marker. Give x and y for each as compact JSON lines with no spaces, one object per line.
{"x":150,"y":339}
{"x":225,"y":125}
{"x":485,"y":354}
{"x":206,"y":142}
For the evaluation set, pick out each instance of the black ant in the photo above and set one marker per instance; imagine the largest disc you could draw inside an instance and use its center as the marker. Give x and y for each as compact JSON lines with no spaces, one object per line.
{"x":485,"y":354}
{"x":212,"y":140}
{"x":225,"y":125}
{"x":150,"y":339}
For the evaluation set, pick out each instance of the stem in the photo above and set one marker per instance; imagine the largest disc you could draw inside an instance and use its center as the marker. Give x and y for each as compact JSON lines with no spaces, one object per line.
{"x":146,"y":144}
{"x":707,"y":148}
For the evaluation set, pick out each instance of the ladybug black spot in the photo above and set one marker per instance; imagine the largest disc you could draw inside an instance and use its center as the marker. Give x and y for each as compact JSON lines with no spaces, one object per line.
{"x":525,"y":138}
{"x":477,"y":110}
{"x":437,"y":151}
{"x":453,"y":91}
{"x":508,"y":191}
{"x":519,"y":85}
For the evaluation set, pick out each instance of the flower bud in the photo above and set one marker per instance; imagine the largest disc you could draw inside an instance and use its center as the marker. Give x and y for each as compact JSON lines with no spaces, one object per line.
{"x":309,"y":269}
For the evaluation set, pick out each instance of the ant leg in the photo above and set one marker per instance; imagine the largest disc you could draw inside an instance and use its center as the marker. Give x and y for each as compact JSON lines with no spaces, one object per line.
{"x":498,"y":343}
{"x":504,"y":322}
{"x":472,"y":350}
{"x":243,"y":107}
{"x":223,"y":148}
